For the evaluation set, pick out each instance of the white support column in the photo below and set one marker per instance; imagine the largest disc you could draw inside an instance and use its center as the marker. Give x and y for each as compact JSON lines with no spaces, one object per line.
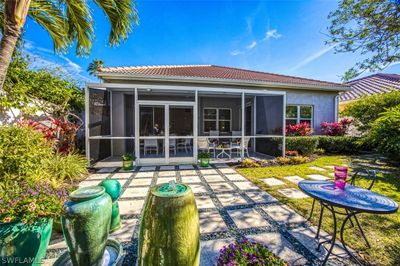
{"x":195,"y":125}
{"x":137,"y":140}
{"x":255,"y":122}
{"x":166,"y":138}
{"x":284,"y":125}
{"x":87,"y":141}
{"x":243,"y":125}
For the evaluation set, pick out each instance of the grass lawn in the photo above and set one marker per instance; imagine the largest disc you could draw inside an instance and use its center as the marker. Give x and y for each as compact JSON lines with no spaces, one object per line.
{"x":382,"y":231}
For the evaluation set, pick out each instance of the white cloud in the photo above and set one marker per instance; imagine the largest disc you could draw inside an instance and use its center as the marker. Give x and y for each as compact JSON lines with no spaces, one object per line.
{"x":272,"y":34}
{"x":236,"y":52}
{"x":313,"y":57}
{"x":251,"y":45}
{"x":46,"y":58}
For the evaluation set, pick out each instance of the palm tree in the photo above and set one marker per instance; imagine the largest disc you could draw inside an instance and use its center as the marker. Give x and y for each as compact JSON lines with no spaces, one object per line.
{"x":67,"y":21}
{"x":95,"y":66}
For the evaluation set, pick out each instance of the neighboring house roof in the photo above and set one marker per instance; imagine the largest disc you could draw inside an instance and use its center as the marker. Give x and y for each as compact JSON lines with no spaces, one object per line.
{"x":370,"y":85}
{"x":214,"y":73}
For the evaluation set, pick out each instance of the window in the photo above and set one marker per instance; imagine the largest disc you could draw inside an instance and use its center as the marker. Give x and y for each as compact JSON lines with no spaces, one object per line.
{"x":217,"y":119}
{"x":298,"y":114}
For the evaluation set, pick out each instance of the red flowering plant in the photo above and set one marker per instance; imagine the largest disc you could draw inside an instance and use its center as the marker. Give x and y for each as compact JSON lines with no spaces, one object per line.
{"x":59,"y":131}
{"x":300,"y":129}
{"x":336,"y":128}
{"x":247,"y":252}
{"x":27,"y":202}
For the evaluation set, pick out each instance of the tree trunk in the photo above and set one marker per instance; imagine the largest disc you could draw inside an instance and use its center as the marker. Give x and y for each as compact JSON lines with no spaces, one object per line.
{"x":7,"y":45}
{"x":15,"y":12}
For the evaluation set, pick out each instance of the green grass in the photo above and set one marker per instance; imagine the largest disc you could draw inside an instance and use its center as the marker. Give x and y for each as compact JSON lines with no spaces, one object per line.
{"x":382,"y":231}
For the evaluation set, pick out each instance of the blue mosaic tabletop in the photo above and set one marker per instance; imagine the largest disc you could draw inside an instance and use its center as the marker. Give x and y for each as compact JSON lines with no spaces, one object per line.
{"x":352,"y":197}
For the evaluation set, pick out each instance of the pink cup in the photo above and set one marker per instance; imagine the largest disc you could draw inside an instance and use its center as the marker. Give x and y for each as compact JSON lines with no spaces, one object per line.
{"x":341,"y":169}
{"x":340,"y":179}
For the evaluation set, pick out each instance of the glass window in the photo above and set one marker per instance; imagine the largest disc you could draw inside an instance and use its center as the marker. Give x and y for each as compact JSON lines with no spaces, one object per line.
{"x":298,"y":114}
{"x":151,"y":121}
{"x":305,"y":112}
{"x":291,"y":111}
{"x":180,"y":121}
{"x":210,"y":113}
{"x":217,"y":119}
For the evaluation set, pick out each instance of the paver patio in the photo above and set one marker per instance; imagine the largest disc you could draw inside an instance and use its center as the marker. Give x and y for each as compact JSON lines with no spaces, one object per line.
{"x":230,"y":207}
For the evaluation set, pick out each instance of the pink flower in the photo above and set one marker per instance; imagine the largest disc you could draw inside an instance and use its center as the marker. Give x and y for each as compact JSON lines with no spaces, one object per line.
{"x":7,"y":220}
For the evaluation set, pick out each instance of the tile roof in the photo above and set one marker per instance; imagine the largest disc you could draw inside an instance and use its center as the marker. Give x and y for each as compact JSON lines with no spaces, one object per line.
{"x":370,"y":85}
{"x":212,"y":72}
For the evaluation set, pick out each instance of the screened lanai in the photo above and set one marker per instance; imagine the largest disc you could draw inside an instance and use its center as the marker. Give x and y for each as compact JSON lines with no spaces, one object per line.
{"x":172,"y":124}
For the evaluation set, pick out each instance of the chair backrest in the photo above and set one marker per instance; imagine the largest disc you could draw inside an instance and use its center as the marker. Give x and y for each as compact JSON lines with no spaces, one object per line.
{"x":150,"y":142}
{"x":236,"y":133}
{"x":363,"y":173}
{"x":214,"y":133}
{"x":202,"y":143}
{"x":246,"y":142}
{"x":172,"y":142}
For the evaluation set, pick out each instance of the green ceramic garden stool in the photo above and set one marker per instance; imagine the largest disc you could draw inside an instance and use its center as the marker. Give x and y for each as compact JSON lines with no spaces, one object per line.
{"x":113,"y":188}
{"x":86,"y":224}
{"x":169,"y":232}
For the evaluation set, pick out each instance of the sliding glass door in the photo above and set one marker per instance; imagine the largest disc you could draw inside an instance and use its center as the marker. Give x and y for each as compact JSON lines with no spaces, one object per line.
{"x":165,"y":132}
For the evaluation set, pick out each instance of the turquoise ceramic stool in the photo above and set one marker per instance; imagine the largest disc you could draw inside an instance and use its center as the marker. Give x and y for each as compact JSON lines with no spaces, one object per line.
{"x":113,"y":188}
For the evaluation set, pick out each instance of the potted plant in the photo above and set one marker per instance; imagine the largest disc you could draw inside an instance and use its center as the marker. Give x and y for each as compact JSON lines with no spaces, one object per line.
{"x":128,"y":161}
{"x":248,"y":252}
{"x":204,"y":158}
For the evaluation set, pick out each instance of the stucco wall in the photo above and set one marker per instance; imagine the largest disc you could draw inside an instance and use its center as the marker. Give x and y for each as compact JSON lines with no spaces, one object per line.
{"x":323,"y":105}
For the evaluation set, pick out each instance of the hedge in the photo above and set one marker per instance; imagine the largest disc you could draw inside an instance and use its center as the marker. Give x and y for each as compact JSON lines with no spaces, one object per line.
{"x":306,"y":145}
{"x":331,"y":144}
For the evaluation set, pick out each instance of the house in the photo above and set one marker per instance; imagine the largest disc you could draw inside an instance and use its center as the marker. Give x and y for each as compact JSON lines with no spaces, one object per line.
{"x":370,"y":85}
{"x":167,"y":114}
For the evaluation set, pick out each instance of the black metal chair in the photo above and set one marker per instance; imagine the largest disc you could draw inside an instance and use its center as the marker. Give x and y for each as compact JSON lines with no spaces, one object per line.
{"x":369,"y":175}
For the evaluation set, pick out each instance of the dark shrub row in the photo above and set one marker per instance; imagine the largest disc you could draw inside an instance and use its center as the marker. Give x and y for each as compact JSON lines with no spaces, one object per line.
{"x":331,"y":144}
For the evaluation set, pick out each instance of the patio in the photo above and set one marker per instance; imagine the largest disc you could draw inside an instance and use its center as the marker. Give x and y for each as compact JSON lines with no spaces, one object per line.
{"x":230,"y":207}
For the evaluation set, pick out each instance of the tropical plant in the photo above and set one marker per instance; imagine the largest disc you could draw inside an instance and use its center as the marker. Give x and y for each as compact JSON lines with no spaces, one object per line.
{"x":249,"y":253}
{"x":59,"y":132}
{"x":366,"y":110}
{"x":67,"y":167}
{"x":385,"y":133}
{"x":203,"y":155}
{"x":249,"y":163}
{"x":370,"y":27}
{"x":336,"y":128}
{"x":128,"y":157}
{"x":95,"y":66}
{"x":22,"y":153}
{"x":304,"y":145}
{"x":67,"y":22}
{"x":300,"y":129}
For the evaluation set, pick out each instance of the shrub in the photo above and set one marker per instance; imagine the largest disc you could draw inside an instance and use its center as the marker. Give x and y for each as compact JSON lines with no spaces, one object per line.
{"x":283,"y":160}
{"x":319,"y":151}
{"x":249,"y":163}
{"x":22,"y":151}
{"x":68,"y":167}
{"x":385,"y":133}
{"x":299,"y":159}
{"x":247,"y":253}
{"x":301,"y":129}
{"x":336,"y":128}
{"x":304,"y":145}
{"x":339,"y":144}
{"x":366,"y":110}
{"x":291,"y":153}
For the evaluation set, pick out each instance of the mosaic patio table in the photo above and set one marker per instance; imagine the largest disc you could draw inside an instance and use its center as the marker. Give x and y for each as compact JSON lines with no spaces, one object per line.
{"x":353,"y":199}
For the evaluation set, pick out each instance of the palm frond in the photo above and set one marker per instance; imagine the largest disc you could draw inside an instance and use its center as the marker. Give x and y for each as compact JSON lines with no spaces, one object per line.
{"x":122,"y":15}
{"x":1,"y":16}
{"x":80,"y":24}
{"x":50,"y":17}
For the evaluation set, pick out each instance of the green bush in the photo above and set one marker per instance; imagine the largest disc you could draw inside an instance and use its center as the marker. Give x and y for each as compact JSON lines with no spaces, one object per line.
{"x":339,"y":144}
{"x":385,"y":133}
{"x":22,"y":152}
{"x":366,"y":110}
{"x":67,"y":167}
{"x":304,"y":145}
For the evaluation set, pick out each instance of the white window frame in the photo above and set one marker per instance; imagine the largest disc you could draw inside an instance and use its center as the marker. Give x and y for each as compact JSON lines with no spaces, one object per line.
{"x":298,"y":118}
{"x":217,"y":120}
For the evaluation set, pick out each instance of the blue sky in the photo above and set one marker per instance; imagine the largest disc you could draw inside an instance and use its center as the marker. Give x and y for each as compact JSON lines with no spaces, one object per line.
{"x":284,"y":37}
